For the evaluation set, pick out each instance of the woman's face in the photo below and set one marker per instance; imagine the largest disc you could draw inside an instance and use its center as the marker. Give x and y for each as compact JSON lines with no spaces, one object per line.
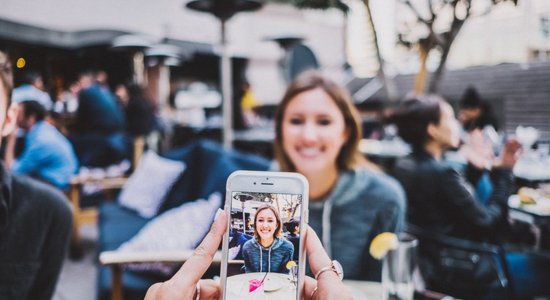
{"x":447,"y":132}
{"x":313,"y":131}
{"x":266,"y":224}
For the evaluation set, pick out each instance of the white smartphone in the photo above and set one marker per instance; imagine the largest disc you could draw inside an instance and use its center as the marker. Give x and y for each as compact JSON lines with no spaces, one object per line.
{"x":263,"y":254}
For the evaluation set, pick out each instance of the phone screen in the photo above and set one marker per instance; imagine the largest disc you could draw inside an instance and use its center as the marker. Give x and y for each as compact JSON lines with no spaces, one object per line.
{"x":263,"y":245}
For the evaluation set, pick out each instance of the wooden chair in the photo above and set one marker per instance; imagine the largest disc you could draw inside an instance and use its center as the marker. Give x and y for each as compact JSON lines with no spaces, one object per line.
{"x":117,"y":259}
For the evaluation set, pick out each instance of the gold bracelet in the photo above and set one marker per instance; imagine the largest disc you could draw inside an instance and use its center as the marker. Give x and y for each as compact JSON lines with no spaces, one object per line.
{"x":335,"y":267}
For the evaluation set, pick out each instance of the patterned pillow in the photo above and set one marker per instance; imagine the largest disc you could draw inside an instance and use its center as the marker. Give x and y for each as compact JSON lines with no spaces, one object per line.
{"x":149,"y":183}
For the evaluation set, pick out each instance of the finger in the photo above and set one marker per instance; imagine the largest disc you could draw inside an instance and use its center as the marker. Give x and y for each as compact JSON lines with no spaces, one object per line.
{"x":318,"y":257}
{"x":210,"y":289}
{"x":198,"y":263}
{"x":309,"y":286}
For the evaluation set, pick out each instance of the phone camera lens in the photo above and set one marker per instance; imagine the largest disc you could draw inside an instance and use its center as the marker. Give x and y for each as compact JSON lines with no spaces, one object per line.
{"x":254,"y":183}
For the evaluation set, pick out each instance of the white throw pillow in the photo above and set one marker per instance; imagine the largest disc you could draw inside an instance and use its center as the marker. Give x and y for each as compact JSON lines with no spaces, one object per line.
{"x":149,"y":183}
{"x":177,"y":229}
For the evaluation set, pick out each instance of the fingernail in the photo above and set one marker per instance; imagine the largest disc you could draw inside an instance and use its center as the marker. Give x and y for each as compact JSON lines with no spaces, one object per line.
{"x":218,"y":212}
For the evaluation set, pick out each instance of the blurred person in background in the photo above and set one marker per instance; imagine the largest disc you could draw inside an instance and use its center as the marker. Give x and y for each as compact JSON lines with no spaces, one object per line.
{"x":98,"y":139}
{"x":35,"y":220}
{"x":474,"y":112}
{"x":67,"y":100}
{"x":318,"y":130}
{"x":47,"y":154}
{"x":32,"y":89}
{"x":480,"y":139}
{"x":439,"y":200}
{"x":138,"y":109}
{"x":293,"y":228}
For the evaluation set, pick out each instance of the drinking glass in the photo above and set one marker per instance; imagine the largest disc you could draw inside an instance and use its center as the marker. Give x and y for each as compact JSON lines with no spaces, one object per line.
{"x":294,"y":275}
{"x":397,"y":269}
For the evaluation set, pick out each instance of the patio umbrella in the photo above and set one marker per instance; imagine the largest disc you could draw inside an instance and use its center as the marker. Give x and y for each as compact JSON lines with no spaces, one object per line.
{"x":223,"y":10}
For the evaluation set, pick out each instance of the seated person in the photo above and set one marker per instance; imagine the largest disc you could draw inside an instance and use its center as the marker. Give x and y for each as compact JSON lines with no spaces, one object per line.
{"x":47,"y":154}
{"x":475,"y":113}
{"x":236,"y":242}
{"x":268,"y":251}
{"x":35,"y":221}
{"x":438,"y":200}
{"x":293,"y":227}
{"x":350,"y":200}
{"x":481,"y":139}
{"x":32,"y":88}
{"x":99,"y":139}
{"x":437,"y":197}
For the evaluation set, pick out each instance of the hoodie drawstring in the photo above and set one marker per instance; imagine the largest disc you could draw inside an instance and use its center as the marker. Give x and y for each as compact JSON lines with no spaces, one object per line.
{"x":268,"y":258}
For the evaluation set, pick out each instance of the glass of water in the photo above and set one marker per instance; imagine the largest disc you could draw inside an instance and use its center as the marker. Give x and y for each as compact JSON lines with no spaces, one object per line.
{"x":397,"y":269}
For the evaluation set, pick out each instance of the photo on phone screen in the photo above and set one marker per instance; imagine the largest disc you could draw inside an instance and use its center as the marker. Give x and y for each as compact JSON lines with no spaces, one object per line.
{"x":263,"y":245}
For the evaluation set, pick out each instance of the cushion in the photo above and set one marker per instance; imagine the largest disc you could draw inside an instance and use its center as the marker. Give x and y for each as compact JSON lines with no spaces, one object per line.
{"x":149,"y":183}
{"x":117,"y":225}
{"x":181,"y":228}
{"x":208,"y":165}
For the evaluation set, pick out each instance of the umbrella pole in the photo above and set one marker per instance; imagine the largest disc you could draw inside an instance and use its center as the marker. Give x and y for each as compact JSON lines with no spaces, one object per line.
{"x":225,"y":70}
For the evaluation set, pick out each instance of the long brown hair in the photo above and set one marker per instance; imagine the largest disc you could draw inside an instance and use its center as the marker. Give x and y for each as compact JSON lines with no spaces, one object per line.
{"x":278,"y":230}
{"x":349,"y":157}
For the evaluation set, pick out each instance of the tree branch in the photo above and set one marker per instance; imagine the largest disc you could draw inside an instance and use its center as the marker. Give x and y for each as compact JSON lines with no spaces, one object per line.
{"x":416,"y":12}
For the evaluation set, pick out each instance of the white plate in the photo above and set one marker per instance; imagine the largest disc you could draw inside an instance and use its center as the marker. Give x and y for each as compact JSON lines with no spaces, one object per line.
{"x":541,"y":208}
{"x":272,"y":283}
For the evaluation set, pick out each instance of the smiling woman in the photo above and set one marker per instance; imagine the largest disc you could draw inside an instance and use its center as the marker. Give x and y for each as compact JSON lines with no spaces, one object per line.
{"x":268,"y":251}
{"x":317,"y":134}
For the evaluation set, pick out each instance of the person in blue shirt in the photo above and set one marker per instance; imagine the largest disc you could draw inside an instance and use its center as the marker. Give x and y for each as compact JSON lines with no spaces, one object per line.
{"x":268,"y":251}
{"x":32,"y":88}
{"x":47,"y":154}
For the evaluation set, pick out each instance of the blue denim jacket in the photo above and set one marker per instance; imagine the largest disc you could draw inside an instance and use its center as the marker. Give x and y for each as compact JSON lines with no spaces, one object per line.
{"x":273,"y":259}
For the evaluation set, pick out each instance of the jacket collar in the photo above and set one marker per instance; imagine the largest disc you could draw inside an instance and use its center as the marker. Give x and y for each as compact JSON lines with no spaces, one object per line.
{"x":6,"y":201}
{"x":422,"y":154}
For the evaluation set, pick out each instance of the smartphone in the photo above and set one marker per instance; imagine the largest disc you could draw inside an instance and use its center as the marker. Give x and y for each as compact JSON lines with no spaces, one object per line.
{"x":263,"y":253}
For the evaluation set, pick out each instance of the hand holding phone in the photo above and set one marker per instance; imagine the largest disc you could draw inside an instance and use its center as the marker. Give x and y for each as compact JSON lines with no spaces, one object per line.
{"x":183,"y":284}
{"x":263,"y":249}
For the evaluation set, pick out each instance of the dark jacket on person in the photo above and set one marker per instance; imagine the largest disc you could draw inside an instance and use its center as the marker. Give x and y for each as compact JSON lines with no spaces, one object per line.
{"x":140,"y":116}
{"x":439,"y":200}
{"x":98,"y":111}
{"x":35,"y":228}
{"x":273,"y":259}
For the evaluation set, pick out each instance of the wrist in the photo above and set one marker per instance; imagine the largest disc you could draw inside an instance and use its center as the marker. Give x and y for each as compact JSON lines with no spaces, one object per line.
{"x":334,"y":269}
